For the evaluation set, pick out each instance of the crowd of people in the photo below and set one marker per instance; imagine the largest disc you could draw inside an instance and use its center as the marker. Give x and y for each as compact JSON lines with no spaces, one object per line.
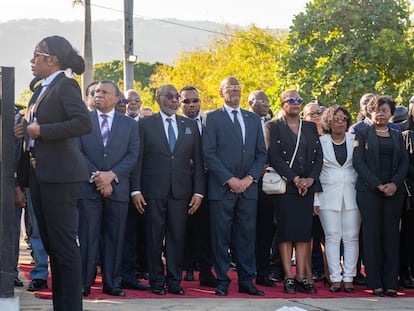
{"x":112,"y":188}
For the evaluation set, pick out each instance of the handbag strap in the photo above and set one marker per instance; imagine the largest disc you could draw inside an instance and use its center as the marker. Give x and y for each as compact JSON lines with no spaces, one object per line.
{"x":406,"y":188}
{"x":297,"y":144}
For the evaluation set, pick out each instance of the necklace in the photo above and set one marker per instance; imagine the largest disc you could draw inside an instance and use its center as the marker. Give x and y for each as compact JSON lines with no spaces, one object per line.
{"x":382,"y":131}
{"x":340,"y":143}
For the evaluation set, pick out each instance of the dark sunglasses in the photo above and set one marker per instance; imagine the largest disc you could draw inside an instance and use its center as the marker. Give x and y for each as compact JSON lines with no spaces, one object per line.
{"x":315,"y":113}
{"x":340,"y":118}
{"x":190,"y":100}
{"x":172,"y":96}
{"x":137,"y":99}
{"x":292,"y":100}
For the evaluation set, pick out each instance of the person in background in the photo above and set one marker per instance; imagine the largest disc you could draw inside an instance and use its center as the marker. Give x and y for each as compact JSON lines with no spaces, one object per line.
{"x":120,"y":106}
{"x":265,"y":224}
{"x":337,"y":207}
{"x":406,"y":263}
{"x":145,"y":112}
{"x":295,"y":207}
{"x":89,"y":93}
{"x":381,"y":161}
{"x":313,"y":112}
{"x":167,"y":184}
{"x":400,"y":118}
{"x":234,"y":151}
{"x":56,"y":118}
{"x":197,"y":251}
{"x":133,"y":106}
{"x":111,"y":152}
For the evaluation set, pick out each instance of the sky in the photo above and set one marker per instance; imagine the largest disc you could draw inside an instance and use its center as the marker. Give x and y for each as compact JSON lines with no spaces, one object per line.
{"x":262,"y":13}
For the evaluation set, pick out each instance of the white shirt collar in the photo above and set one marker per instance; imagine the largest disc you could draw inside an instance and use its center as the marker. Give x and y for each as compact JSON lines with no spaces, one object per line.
{"x":164,"y":117}
{"x":50,"y":78}
{"x":109,"y":114}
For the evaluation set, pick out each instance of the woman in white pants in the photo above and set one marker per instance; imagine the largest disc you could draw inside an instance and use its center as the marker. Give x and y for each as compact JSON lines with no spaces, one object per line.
{"x":338,"y":210}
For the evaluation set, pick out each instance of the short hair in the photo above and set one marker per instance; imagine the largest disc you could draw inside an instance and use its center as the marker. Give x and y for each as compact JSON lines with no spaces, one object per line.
{"x":117,"y":91}
{"x":328,"y":116}
{"x":189,"y":88}
{"x":89,"y":86}
{"x":379,"y":100}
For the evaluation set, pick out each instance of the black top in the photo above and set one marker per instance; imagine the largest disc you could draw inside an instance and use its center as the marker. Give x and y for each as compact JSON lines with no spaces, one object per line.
{"x":340,"y":152}
{"x":386,"y":149}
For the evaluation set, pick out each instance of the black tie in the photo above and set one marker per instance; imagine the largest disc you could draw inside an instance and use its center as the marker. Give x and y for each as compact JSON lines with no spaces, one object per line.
{"x":237,"y":124}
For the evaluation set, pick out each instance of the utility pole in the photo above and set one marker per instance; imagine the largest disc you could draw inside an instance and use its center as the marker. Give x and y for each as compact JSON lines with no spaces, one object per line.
{"x":129,"y":57}
{"x":87,"y":76}
{"x":7,"y":210}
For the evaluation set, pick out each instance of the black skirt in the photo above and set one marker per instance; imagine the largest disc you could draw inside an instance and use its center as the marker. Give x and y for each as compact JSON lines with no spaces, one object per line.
{"x":294,"y":217}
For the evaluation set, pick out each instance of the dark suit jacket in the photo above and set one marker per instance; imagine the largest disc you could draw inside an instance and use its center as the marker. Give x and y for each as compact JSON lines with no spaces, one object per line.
{"x":227,"y":157}
{"x":366,"y":159}
{"x":281,"y":148}
{"x":63,"y":117}
{"x":159,"y":170}
{"x":119,"y":155}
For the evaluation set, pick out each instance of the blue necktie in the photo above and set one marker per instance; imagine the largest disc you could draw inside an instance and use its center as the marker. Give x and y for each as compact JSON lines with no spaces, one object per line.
{"x":171,"y":135}
{"x":104,"y":128}
{"x":237,"y":125}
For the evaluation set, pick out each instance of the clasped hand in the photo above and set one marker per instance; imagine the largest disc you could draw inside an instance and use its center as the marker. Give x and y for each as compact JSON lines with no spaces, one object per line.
{"x":389,"y":189}
{"x":238,"y":185}
{"x":303,"y":184}
{"x":103,"y":182}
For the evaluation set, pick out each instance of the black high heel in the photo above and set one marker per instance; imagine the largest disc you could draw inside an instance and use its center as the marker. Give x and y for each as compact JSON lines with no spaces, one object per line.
{"x":378,"y":292}
{"x":335,"y":287}
{"x":391,"y":293}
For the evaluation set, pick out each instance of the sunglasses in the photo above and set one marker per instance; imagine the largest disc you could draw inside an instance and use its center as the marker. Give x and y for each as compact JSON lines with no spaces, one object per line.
{"x":171,"y":96}
{"x":292,"y":100}
{"x":316,"y":113}
{"x":190,"y":100}
{"x":340,"y":118}
{"x":137,"y":99}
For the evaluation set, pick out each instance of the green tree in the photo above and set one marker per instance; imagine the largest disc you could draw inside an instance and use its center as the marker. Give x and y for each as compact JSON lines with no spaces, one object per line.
{"x":253,"y":56}
{"x":340,"y":50}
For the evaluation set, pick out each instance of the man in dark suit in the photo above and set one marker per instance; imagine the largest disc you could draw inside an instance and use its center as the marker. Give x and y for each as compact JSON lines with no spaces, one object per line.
{"x":265,"y":225}
{"x":168,"y":184}
{"x":235,"y":153}
{"x":111,"y":151}
{"x":197,"y":240}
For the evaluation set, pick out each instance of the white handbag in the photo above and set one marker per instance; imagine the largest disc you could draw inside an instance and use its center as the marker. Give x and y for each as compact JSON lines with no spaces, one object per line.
{"x":273,"y":183}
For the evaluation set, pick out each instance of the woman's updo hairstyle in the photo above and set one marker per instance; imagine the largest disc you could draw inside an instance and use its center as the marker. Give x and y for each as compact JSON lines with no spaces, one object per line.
{"x":67,"y":56}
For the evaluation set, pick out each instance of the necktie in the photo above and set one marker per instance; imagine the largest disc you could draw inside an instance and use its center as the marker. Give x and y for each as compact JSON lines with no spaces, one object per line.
{"x":237,"y":124}
{"x":200,"y":127}
{"x":104,"y":128}
{"x":171,"y":135}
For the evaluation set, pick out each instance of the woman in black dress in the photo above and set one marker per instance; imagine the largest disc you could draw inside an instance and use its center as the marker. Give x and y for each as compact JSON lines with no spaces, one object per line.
{"x":294,"y":208}
{"x":381,"y":162}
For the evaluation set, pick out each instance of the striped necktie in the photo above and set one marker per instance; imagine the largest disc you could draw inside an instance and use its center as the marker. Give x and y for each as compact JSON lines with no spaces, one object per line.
{"x":104,"y":128}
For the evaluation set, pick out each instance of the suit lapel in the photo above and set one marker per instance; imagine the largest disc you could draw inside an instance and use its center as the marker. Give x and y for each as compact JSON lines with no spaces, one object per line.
{"x":161,"y":130}
{"x":181,"y":127}
{"x":229,"y":122}
{"x":96,"y":127}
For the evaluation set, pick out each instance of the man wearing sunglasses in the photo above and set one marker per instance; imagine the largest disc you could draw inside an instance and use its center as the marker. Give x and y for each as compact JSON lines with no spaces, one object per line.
{"x":235,"y":153}
{"x":167,"y":184}
{"x":197,"y":241}
{"x":133,"y":104}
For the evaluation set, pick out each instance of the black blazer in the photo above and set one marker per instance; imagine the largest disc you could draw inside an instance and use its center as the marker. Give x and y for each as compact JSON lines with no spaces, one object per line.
{"x":281,"y":148}
{"x":159,"y":171}
{"x":366,"y":159}
{"x":63,"y":117}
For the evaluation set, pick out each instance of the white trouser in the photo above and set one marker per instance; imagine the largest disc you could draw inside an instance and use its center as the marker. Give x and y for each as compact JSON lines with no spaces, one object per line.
{"x":343,"y":225}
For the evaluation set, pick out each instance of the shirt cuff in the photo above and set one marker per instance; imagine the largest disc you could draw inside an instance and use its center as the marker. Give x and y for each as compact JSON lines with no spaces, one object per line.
{"x":199,"y":195}
{"x":135,"y":193}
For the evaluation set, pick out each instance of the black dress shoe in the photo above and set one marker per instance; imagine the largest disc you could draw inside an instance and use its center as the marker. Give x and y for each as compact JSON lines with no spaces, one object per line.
{"x":251,"y":290}
{"x":260,"y":280}
{"x":189,"y":276}
{"x":289,"y":286}
{"x":86,"y":291}
{"x":305,"y":287}
{"x":360,"y":280}
{"x":37,"y":284}
{"x":391,"y":293}
{"x":176,"y":290}
{"x":277,"y":277}
{"x":378,"y":292}
{"x":208,"y":280}
{"x":116,"y":291}
{"x":222,"y":291}
{"x":133,"y":285}
{"x":159,"y":290}
{"x":18,"y":282}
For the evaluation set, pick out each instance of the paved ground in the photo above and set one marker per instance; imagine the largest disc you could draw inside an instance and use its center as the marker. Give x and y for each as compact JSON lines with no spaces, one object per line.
{"x":28,"y":302}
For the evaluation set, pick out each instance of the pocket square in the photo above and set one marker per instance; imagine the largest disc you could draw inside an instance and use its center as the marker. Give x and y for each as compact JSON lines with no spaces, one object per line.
{"x":187,"y":131}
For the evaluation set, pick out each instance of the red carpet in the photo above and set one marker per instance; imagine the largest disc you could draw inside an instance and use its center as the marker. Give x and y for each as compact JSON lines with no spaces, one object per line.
{"x":192,"y":290}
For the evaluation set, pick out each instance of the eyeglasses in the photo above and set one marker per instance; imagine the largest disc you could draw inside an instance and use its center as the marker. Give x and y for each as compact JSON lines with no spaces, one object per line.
{"x":316,"y":113}
{"x":36,"y":54}
{"x":260,"y":101}
{"x":340,"y":118}
{"x":171,"y":96}
{"x":233,"y":87}
{"x":92,"y":93}
{"x":137,"y":99}
{"x":292,"y":100}
{"x":190,"y":100}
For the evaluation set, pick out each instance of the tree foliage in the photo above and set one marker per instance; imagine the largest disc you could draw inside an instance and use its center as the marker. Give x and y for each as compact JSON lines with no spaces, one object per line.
{"x":339,"y":50}
{"x":253,"y":56}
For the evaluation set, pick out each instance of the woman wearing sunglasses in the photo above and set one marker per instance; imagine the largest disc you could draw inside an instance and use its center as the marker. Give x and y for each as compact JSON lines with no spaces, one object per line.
{"x":295,"y":153}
